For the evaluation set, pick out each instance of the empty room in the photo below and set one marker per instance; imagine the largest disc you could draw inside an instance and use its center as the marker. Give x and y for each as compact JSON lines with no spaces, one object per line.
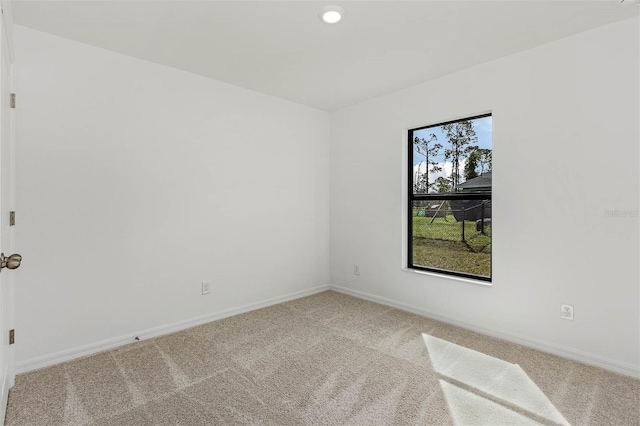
{"x":281,"y":212}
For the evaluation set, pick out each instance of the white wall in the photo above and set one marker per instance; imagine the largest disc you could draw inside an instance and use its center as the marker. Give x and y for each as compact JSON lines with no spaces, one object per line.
{"x":137,"y":181}
{"x":565,"y":150}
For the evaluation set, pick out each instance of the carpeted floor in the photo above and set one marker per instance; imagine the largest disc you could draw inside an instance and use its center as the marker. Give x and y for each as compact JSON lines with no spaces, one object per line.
{"x":326,"y":359}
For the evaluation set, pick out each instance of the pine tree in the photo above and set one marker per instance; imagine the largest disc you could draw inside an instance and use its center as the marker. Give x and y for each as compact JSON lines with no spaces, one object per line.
{"x":460,"y":135}
{"x":429,"y":149}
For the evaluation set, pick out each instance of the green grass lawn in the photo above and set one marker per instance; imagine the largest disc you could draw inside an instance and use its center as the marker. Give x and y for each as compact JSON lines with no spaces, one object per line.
{"x":439,"y":245}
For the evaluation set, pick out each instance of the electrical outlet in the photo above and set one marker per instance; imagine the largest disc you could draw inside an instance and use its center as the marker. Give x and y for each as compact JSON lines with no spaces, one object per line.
{"x":566,"y":312}
{"x":356,"y":269}
{"x":206,"y":287}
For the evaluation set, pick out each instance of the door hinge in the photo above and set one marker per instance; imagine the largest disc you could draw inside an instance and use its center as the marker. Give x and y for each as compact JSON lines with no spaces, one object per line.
{"x":12,"y":336}
{"x":12,"y":100}
{"x":12,"y":218}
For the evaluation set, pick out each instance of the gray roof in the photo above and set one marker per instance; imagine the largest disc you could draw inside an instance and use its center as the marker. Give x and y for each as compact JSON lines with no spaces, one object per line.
{"x":481,"y":182}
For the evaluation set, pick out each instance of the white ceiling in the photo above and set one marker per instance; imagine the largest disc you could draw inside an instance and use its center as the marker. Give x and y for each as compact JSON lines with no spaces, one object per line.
{"x":281,"y":47}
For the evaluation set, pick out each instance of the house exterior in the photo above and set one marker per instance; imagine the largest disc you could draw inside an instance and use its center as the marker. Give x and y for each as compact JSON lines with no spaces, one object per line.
{"x":480,"y":183}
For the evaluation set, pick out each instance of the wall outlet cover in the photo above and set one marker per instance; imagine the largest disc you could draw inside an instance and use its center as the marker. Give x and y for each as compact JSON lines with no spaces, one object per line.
{"x":566,"y":312}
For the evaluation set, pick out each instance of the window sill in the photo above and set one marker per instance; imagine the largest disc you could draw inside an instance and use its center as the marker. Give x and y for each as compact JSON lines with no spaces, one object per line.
{"x":449,"y":277}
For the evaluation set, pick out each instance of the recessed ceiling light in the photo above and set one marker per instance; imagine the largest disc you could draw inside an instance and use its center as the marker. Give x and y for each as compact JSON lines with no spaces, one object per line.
{"x":331,"y":14}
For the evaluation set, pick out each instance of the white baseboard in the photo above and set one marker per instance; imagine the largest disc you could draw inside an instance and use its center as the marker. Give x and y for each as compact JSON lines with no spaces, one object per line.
{"x":562,"y":351}
{"x":92,"y":348}
{"x":565,"y":352}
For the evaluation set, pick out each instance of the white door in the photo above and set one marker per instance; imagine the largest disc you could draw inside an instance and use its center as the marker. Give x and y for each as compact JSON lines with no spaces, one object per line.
{"x":7,"y":182}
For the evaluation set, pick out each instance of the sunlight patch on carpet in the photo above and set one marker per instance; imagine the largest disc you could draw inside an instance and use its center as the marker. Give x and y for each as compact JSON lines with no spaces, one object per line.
{"x":489,"y":382}
{"x":467,"y":408}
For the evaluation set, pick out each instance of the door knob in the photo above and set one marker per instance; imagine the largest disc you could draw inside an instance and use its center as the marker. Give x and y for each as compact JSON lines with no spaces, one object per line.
{"x":11,"y":262}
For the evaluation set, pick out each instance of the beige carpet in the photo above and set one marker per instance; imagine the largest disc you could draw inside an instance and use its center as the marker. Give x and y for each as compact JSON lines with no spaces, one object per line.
{"x":326,"y":359}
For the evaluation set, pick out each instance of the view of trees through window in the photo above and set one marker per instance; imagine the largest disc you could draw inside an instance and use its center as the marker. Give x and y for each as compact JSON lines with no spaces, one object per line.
{"x":450,"y":197}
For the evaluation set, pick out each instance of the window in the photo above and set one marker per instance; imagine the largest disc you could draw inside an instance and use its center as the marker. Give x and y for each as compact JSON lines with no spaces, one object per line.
{"x":449,"y":184}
